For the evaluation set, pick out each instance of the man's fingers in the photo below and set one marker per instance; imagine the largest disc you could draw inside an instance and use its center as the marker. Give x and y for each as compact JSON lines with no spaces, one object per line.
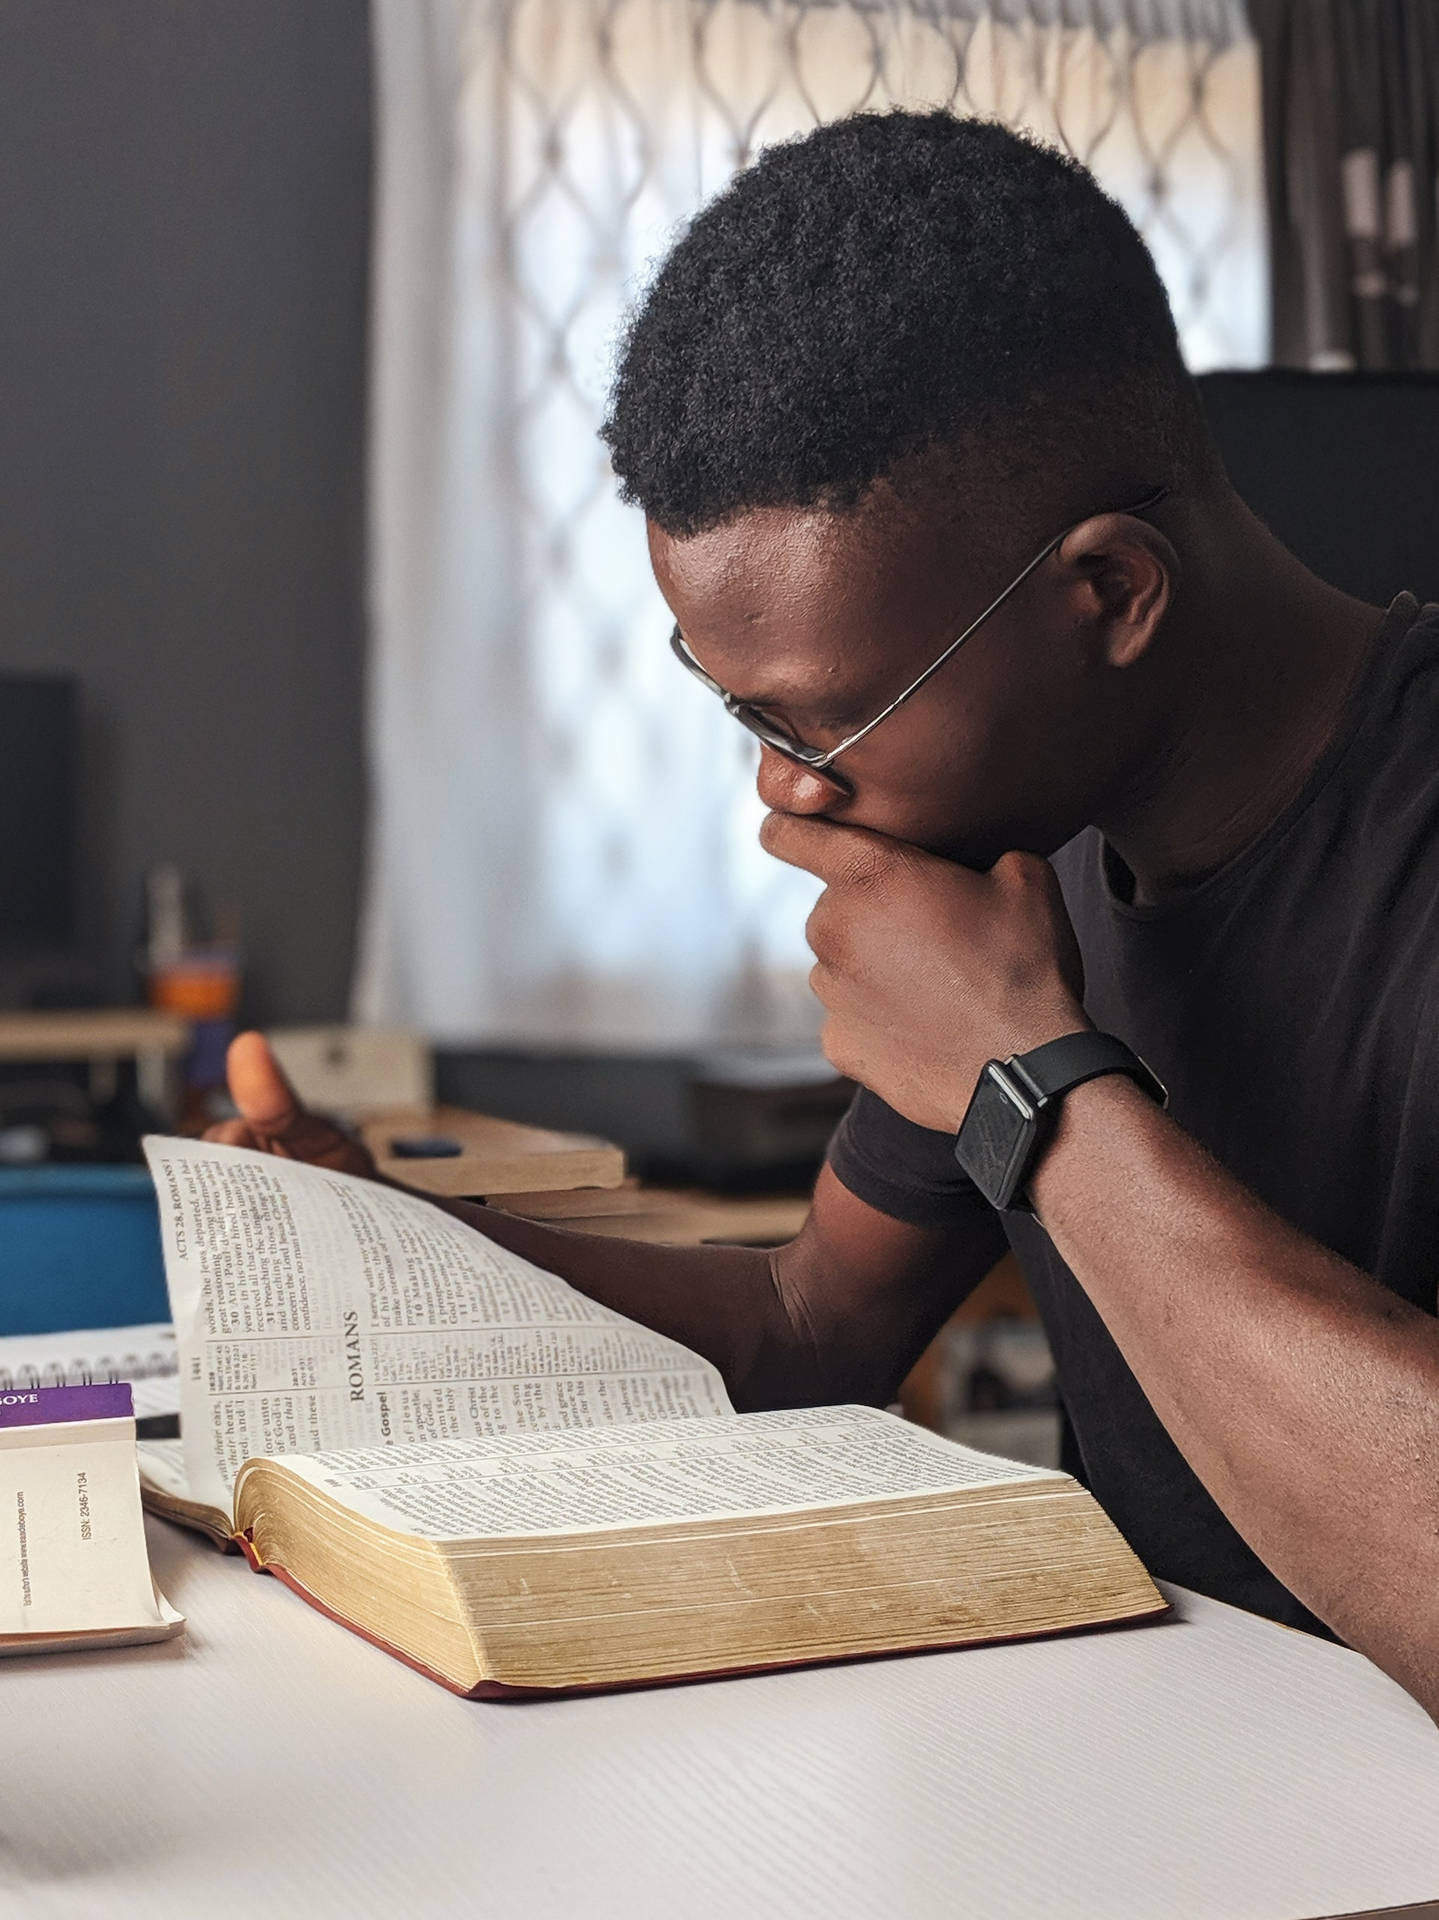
{"x":263,"y":1095}
{"x":230,"y":1133}
{"x":822,"y":847}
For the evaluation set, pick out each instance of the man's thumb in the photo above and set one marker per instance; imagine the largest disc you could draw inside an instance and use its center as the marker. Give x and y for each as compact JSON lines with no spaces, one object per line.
{"x":263,"y":1095}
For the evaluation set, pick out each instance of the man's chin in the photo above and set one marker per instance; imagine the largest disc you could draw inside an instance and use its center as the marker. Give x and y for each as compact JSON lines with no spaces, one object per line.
{"x":975,"y":848}
{"x":980,"y":853}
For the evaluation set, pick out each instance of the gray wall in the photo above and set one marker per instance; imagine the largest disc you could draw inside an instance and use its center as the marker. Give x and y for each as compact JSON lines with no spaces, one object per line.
{"x":184,"y":210}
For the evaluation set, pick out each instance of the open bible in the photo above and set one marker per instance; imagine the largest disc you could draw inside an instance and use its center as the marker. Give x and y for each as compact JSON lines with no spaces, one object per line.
{"x":514,"y":1488}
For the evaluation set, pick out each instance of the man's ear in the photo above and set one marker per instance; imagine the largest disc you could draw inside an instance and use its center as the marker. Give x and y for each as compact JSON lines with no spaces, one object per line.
{"x":1126,"y":574}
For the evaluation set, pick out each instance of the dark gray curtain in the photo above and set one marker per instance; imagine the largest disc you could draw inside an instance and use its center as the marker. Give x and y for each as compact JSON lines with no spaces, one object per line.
{"x":1351,"y":130}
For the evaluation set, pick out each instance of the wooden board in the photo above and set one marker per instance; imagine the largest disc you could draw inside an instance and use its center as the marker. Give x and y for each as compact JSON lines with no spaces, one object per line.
{"x":496,"y":1156}
{"x":355,"y":1071}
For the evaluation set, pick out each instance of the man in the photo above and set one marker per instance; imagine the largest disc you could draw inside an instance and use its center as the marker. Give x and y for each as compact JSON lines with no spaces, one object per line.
{"x":912,"y":379}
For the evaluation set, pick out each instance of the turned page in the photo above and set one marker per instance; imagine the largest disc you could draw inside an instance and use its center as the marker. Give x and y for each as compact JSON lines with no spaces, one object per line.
{"x":752,"y":1464}
{"x":315,"y":1310}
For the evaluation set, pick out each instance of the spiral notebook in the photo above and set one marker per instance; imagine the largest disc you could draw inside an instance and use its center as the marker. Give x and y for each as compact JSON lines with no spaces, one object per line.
{"x":146,"y":1358}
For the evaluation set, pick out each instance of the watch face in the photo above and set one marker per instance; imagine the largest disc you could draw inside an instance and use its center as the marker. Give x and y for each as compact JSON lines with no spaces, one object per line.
{"x":994,"y":1140}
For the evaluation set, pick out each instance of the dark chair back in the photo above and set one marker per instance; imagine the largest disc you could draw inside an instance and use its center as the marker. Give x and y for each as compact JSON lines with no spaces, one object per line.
{"x":1343,"y":467}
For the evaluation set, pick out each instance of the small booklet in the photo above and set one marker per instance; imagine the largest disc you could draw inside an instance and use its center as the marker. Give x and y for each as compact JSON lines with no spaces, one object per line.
{"x":516,"y":1489}
{"x":74,"y":1571}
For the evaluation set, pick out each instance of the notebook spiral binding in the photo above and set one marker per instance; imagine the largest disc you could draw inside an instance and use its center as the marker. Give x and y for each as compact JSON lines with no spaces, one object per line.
{"x":104,"y":1371}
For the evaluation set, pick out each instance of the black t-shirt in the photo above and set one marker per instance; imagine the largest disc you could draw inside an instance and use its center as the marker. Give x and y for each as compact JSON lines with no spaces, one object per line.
{"x":1288,"y":1004}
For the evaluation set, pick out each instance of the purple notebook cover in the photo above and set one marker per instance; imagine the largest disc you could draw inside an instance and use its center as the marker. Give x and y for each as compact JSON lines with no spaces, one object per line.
{"x":43,"y":1406}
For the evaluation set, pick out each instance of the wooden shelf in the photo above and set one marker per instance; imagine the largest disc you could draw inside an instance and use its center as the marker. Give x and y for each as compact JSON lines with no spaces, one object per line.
{"x":102,"y":1037}
{"x":121,"y":1033}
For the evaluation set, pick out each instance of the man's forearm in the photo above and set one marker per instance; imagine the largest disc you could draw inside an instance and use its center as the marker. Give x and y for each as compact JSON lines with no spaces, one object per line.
{"x":842,"y":1312}
{"x":1304,"y":1395}
{"x":722,"y":1302}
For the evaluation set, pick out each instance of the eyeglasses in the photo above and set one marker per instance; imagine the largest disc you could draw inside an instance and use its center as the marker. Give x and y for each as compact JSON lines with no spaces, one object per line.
{"x":821,"y":759}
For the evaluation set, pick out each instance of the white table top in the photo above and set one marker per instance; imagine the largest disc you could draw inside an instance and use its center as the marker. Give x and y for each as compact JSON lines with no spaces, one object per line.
{"x":1211,"y":1766}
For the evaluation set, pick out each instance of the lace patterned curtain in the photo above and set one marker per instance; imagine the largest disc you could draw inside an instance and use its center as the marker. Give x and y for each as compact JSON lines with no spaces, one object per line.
{"x":563,"y":834}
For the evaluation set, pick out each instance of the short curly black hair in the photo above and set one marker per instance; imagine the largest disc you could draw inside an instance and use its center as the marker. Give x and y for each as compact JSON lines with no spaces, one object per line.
{"x":889,"y":292}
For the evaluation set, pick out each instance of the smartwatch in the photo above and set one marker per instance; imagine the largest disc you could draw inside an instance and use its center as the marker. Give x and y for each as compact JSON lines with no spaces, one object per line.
{"x":1015,"y":1108}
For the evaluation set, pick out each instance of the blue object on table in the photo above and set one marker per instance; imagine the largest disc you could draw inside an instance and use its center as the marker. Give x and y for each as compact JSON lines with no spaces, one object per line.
{"x":79,"y":1247}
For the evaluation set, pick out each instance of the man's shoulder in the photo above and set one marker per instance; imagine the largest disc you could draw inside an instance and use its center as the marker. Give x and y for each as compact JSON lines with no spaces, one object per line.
{"x":898,"y":1168}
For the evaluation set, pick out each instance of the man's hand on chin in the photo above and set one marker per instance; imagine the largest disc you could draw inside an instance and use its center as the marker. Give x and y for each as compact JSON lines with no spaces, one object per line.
{"x":926,"y":970}
{"x":273,"y":1119}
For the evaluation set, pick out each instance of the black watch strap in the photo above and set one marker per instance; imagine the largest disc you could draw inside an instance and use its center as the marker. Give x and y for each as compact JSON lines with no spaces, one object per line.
{"x":1061,"y":1065}
{"x":1012,"y":1114}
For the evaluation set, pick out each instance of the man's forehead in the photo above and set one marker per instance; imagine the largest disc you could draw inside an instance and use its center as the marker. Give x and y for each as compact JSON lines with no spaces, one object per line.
{"x":765,"y":547}
{"x":778,"y":567}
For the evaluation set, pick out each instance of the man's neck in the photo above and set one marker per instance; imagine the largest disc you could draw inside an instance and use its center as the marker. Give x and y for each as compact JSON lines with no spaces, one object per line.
{"x":1264,"y":657}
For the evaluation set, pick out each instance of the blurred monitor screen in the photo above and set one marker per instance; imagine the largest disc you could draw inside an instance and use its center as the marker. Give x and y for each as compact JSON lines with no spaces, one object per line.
{"x":37,"y":808}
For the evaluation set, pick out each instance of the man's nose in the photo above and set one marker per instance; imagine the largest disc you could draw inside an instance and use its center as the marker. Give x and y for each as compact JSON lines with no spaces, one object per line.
{"x":786,"y":787}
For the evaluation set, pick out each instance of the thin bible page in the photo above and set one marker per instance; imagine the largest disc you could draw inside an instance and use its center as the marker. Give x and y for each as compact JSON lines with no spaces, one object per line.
{"x":317,"y":1311}
{"x":757,"y":1463}
{"x":162,"y":1465}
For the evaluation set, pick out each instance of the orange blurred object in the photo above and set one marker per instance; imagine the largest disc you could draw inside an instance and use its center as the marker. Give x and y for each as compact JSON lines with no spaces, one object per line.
{"x":202,"y":984}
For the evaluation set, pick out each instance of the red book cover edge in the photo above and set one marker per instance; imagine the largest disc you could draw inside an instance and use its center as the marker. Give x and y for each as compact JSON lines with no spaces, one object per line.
{"x":503,"y":1690}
